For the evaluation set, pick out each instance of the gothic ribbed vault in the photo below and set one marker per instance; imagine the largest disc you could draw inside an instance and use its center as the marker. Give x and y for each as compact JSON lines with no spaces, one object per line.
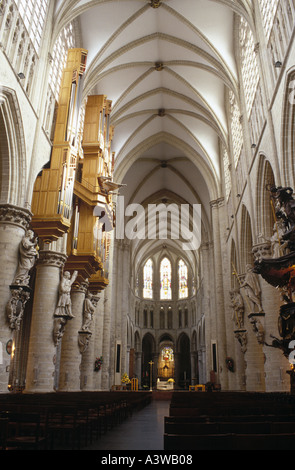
{"x":166,"y":67}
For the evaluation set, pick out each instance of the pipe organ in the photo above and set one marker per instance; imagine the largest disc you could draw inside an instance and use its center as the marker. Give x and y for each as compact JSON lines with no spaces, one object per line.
{"x":53,"y":190}
{"x":74,"y":195}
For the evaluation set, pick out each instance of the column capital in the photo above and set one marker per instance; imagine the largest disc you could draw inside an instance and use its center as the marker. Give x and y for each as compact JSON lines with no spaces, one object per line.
{"x":14,"y":215}
{"x":80,"y":288}
{"x":51,"y":258}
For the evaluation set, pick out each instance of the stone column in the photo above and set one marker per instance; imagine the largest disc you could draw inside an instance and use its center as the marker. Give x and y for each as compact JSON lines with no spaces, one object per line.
{"x":219,"y":271}
{"x":109,"y":321}
{"x":42,"y":354}
{"x":70,"y":360}
{"x":138,"y":359}
{"x":206,"y":306}
{"x":14,"y":221}
{"x":123,"y":307}
{"x":88,"y":353}
{"x":254,"y":356}
{"x":98,"y":339}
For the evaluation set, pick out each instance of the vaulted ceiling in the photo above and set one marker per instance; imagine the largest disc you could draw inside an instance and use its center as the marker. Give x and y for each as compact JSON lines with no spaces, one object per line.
{"x":165,"y":65}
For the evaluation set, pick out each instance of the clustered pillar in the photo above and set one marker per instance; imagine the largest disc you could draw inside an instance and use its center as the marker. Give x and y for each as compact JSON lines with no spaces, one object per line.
{"x":42,"y":358}
{"x":14,"y":221}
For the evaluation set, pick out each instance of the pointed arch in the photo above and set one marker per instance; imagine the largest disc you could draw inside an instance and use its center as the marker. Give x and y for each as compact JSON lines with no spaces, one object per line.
{"x":12,"y":150}
{"x":246,"y":240}
{"x":265,"y":214}
{"x":288,"y":125}
{"x":234,"y":266}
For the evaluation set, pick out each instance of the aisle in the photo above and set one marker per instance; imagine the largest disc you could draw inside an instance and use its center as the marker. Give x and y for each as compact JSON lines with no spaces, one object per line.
{"x":143,"y":431}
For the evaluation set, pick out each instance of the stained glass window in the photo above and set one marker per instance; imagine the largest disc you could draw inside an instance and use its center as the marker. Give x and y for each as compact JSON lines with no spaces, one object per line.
{"x":182,"y":280}
{"x":148,"y":280}
{"x":165,"y":280}
{"x":167,"y":354}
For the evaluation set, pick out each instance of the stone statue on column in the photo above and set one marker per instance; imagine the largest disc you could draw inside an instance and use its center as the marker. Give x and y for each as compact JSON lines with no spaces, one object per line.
{"x":258,"y":330}
{"x":28,"y":253}
{"x":20,"y":289}
{"x":63,"y":311}
{"x":88,"y":312}
{"x":16,"y":306}
{"x":64,"y":305}
{"x":252,"y":288}
{"x":237,"y":304}
{"x":85,"y":333}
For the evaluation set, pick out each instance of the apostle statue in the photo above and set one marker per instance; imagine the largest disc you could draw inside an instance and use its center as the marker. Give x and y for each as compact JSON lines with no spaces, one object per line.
{"x":252,"y":287}
{"x":28,"y":253}
{"x":88,"y":312}
{"x":278,"y":245}
{"x":64,"y":306}
{"x":237,"y":304}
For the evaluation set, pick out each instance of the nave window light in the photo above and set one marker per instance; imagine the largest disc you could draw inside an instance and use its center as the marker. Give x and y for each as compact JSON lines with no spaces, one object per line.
{"x":165,"y":280}
{"x":182,"y":280}
{"x":33,"y":14}
{"x":148,"y":280}
{"x":250,"y":73}
{"x":65,"y":41}
{"x":268,"y":10}
{"x":236,"y":128}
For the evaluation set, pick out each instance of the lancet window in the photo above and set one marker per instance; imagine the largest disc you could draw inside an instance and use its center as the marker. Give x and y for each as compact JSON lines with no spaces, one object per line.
{"x":148,"y":280}
{"x":165,"y":280}
{"x":268,"y":12}
{"x":65,"y":41}
{"x":182,"y":280}
{"x":33,"y":13}
{"x":250,"y":73}
{"x":236,"y":127}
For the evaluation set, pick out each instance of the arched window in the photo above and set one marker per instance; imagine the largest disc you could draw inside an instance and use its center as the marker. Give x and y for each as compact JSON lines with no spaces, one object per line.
{"x":182,"y":280}
{"x":65,"y":41}
{"x":250,"y":72}
{"x":33,"y":13}
{"x":148,"y":280}
{"x":268,"y":12}
{"x":227,"y":176}
{"x":236,"y":128}
{"x":165,"y":280}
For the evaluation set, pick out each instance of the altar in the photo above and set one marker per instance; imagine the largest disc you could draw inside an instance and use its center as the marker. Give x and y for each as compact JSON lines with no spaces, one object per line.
{"x":165,"y":385}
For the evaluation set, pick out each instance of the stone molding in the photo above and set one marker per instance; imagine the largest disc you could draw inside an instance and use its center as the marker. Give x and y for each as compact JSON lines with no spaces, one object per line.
{"x":51,"y":258}
{"x":14,"y":215}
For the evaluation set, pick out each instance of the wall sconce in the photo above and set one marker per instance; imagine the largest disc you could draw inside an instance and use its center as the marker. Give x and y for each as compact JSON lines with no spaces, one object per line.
{"x":278,"y":64}
{"x":253,"y":146}
{"x":21,"y":76}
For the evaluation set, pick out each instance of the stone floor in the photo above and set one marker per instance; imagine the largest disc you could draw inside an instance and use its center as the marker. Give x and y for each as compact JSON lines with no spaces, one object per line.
{"x":143,"y":431}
